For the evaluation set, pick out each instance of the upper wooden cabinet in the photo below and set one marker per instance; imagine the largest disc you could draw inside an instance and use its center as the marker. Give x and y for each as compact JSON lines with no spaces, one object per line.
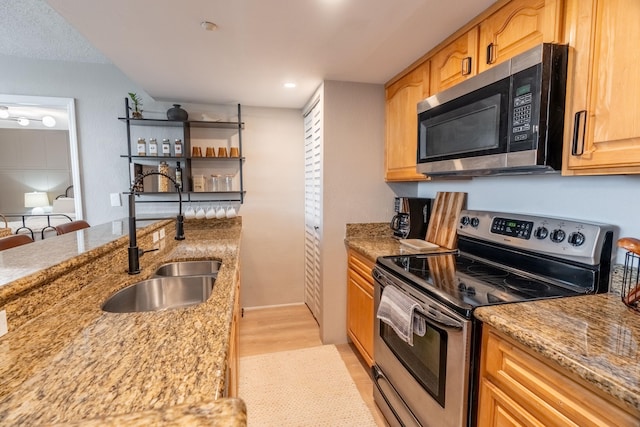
{"x":516,"y":27}
{"x":602,"y":130}
{"x":505,"y":29}
{"x":401,"y":139}
{"x":455,"y":62}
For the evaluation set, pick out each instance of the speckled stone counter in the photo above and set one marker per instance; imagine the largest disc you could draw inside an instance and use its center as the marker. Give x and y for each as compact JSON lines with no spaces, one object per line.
{"x":595,"y":337}
{"x":376,"y":239}
{"x":72,"y":362}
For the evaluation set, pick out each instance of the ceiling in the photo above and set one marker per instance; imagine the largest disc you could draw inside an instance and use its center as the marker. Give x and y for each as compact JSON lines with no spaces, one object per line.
{"x":258,"y":46}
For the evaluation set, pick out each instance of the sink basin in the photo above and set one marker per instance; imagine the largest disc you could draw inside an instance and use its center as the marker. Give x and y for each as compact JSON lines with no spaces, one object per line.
{"x":161,"y":293}
{"x":188,"y":268}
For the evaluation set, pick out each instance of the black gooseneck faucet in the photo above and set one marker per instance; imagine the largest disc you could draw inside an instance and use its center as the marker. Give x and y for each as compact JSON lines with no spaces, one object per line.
{"x":134,"y":252}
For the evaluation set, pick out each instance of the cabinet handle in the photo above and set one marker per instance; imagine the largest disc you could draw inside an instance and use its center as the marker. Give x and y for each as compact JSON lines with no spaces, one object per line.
{"x":466,"y":66}
{"x":579,"y":127}
{"x":490,"y":52}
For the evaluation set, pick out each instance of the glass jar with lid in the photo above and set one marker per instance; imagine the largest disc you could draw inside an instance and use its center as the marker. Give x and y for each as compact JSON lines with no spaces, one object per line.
{"x":153,"y":147}
{"x":142,"y":147}
{"x":166,"y":147}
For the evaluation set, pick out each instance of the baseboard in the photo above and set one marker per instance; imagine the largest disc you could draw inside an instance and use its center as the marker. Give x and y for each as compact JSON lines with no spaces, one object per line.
{"x":260,"y":307}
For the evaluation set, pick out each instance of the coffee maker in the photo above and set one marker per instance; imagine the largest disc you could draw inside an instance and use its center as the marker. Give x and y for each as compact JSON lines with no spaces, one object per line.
{"x":411,"y":218}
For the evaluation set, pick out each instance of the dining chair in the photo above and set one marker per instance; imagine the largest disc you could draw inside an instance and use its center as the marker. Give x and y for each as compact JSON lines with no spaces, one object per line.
{"x":13,"y":241}
{"x":68,"y":227}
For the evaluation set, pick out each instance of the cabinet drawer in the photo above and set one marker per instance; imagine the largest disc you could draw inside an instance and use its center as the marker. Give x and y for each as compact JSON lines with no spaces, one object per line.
{"x":549,"y":395}
{"x":361,"y":265}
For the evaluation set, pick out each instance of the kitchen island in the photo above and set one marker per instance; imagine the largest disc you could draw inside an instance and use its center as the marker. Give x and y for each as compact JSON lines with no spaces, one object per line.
{"x":65,"y":361}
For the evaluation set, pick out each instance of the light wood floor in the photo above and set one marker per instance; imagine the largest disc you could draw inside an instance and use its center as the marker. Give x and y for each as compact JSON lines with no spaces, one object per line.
{"x":268,"y":330}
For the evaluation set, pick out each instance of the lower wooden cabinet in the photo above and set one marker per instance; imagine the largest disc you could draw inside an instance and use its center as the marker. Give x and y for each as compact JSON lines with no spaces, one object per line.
{"x":520,"y":388}
{"x":234,"y":341}
{"x":360,"y":316}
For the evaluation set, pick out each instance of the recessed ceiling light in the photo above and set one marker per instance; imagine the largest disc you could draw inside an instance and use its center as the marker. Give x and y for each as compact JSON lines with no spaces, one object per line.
{"x":209,"y":26}
{"x":4,"y":112}
{"x":289,"y":85}
{"x":23,"y":121}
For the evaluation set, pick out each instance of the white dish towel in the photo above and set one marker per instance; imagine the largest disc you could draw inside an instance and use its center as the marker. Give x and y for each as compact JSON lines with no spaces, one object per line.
{"x":398,"y":310}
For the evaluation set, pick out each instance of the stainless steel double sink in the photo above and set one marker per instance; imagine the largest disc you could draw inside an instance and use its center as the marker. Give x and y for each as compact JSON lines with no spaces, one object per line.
{"x":173,"y":285}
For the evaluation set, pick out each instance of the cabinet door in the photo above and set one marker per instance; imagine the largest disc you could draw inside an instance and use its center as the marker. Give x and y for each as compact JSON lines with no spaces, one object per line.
{"x":517,"y":26}
{"x":497,"y":409}
{"x":602,"y":130}
{"x":543,"y":392}
{"x":401,"y":142}
{"x":234,"y":343}
{"x":455,"y":62}
{"x":360,"y":315}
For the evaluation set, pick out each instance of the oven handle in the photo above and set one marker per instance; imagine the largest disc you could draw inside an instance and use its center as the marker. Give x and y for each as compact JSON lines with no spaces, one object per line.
{"x":431,"y":314}
{"x":441,"y":319}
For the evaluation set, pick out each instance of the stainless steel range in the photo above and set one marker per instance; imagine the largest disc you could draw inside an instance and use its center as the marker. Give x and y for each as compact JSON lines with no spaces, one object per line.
{"x":431,"y":380}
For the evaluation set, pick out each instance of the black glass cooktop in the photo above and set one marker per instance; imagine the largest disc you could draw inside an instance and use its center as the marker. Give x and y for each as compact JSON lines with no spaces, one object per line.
{"x":467,"y":282}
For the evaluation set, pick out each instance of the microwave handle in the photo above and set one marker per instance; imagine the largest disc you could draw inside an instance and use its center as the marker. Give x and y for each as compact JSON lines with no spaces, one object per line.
{"x":579,"y":131}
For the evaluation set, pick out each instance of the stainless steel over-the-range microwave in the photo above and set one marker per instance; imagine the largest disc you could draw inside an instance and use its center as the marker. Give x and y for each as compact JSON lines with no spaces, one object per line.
{"x":508,"y":119}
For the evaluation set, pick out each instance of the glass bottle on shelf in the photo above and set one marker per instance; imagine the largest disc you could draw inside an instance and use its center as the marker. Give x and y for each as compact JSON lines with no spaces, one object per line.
{"x":166,"y":147}
{"x":178,"y":148}
{"x":153,"y":147}
{"x":179,"y":176}
{"x":163,"y":181}
{"x":142,"y":147}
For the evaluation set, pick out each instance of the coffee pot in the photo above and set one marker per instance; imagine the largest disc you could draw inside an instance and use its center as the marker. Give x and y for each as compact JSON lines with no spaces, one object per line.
{"x":411,"y":218}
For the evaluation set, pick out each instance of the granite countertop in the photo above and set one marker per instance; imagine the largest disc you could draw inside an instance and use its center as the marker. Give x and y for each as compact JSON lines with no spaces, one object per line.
{"x":71,"y":362}
{"x":376,"y":239}
{"x":595,"y":337}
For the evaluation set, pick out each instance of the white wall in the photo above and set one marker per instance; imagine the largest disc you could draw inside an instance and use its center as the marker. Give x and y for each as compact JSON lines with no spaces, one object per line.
{"x":353,"y":189}
{"x":32,"y":160}
{"x":273,"y":142}
{"x":273,"y":214}
{"x":99,"y":91}
{"x":608,"y":199}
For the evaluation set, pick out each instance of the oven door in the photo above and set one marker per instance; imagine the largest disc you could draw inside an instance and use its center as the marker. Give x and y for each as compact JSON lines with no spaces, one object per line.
{"x":425,"y":384}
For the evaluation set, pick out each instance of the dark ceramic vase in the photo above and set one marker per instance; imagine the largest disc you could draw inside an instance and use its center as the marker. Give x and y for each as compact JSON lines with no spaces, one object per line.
{"x":177,"y":113}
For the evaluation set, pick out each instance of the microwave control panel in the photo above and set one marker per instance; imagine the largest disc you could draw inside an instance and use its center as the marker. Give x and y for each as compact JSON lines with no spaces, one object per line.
{"x":525,"y":96}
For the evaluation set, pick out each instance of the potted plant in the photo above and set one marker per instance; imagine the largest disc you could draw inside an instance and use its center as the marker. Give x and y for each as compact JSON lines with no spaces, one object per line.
{"x":137,"y":106}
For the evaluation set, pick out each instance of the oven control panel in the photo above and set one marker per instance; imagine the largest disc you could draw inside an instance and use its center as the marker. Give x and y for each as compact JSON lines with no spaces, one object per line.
{"x":577,"y":240}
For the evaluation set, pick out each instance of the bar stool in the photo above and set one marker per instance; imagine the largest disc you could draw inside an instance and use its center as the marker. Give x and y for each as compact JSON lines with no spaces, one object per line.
{"x":71,"y":226}
{"x":13,"y":241}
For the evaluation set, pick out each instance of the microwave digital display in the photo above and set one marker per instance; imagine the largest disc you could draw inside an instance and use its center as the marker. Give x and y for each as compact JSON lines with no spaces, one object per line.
{"x":523,"y":89}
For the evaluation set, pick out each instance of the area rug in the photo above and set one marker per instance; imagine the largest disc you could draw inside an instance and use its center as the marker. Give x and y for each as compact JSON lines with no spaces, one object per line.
{"x":307,"y":387}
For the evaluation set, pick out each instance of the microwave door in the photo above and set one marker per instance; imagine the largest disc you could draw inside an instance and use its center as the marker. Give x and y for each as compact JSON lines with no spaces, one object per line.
{"x":466,"y":133}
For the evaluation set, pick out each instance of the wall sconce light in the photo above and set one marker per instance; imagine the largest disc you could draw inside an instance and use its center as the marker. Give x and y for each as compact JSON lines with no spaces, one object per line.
{"x":36,"y":200}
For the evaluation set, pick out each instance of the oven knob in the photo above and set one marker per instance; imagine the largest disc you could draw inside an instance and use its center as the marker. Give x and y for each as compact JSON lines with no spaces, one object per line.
{"x":576,"y":239}
{"x":475,"y":222}
{"x":557,"y":236}
{"x":541,"y":233}
{"x":464,"y":220}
